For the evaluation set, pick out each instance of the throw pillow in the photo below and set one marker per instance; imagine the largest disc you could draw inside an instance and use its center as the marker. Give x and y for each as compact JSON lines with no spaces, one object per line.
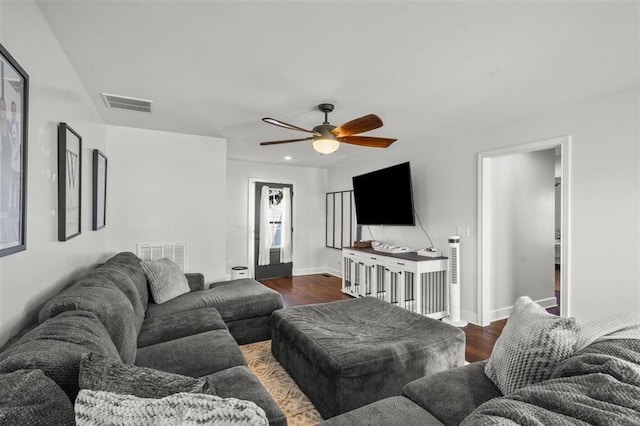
{"x":100,"y":373}
{"x":99,"y":407}
{"x":28,"y":397}
{"x":531,"y":344}
{"x":166,"y":281}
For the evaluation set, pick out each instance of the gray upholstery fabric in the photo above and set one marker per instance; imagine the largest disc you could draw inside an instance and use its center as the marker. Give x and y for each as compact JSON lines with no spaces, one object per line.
{"x":235,"y":300}
{"x":100,"y":373}
{"x":107,"y":302}
{"x":251,"y":330}
{"x":121,"y":278}
{"x":181,"y":324}
{"x":600,"y":385}
{"x":13,"y":339}
{"x":131,"y":263}
{"x":28,"y":397}
{"x":196,"y":356}
{"x":346,"y":354}
{"x":393,"y":411}
{"x":56,"y":347}
{"x":239,"y":382}
{"x":195,"y":281}
{"x":452,"y":395}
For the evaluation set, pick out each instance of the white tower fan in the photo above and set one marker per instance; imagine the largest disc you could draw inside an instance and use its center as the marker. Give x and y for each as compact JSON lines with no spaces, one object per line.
{"x":454,"y":283}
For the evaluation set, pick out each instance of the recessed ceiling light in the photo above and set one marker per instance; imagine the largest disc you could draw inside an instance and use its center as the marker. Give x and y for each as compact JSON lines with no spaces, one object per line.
{"x":288,"y":158}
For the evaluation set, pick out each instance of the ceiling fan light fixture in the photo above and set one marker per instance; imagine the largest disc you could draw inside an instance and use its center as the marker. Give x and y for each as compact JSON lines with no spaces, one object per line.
{"x":326,"y":145}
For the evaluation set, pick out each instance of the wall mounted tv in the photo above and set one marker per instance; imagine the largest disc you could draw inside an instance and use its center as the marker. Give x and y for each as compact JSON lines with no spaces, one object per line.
{"x":384,"y":197}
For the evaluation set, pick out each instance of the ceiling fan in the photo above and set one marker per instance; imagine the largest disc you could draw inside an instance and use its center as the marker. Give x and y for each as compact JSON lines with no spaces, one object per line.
{"x":327,"y":137}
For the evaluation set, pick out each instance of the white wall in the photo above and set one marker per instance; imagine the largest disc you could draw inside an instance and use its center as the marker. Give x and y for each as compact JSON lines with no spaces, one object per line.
{"x":521,"y":219}
{"x":29,"y":278}
{"x":605,"y":196}
{"x":309,"y":186}
{"x":168,"y":187}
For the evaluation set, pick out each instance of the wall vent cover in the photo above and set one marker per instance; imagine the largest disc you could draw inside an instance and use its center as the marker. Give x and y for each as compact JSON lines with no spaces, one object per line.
{"x":177,"y":252}
{"x":125,"y":102}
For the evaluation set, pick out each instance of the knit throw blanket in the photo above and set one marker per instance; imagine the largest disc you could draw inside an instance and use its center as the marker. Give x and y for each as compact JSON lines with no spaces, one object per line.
{"x":106,"y":408}
{"x":599,"y":385}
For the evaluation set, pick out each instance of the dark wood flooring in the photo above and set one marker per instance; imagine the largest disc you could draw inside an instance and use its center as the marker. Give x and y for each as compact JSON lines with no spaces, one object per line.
{"x":319,"y":288}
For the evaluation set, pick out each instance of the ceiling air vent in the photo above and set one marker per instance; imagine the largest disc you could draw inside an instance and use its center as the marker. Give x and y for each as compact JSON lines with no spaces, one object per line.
{"x":125,"y":102}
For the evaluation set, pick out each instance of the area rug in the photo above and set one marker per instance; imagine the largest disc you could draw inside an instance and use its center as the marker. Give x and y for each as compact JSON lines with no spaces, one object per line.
{"x":295,"y":405}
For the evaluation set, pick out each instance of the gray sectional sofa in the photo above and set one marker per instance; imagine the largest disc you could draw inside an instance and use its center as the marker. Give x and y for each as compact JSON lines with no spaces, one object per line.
{"x":108,"y":311}
{"x":544,"y":370}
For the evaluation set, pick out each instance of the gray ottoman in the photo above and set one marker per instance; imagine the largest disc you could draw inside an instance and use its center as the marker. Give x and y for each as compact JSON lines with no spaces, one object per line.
{"x":344,"y":355}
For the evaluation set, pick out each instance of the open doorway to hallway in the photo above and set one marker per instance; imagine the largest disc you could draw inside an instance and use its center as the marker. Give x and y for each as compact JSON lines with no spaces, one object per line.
{"x":523,"y":223}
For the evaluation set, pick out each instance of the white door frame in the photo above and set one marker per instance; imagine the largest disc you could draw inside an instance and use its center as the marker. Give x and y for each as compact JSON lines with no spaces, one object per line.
{"x":251,"y":215}
{"x":484,"y":227}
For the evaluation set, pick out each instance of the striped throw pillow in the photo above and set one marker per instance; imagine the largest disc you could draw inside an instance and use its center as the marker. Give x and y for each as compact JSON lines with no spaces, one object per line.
{"x":166,"y":281}
{"x":532,"y":343}
{"x":106,"y":408}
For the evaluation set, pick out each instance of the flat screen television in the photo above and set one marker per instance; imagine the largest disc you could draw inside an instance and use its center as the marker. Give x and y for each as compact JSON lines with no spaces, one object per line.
{"x":384,"y":197}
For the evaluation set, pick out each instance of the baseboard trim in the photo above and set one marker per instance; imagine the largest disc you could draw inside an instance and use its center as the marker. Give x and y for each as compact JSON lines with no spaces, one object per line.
{"x":308,"y":271}
{"x":502,"y":313}
{"x":470,"y":317}
{"x":334,"y":272}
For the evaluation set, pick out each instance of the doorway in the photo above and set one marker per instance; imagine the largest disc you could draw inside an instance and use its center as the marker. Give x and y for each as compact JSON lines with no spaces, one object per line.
{"x":272,"y":236}
{"x":516,"y":210}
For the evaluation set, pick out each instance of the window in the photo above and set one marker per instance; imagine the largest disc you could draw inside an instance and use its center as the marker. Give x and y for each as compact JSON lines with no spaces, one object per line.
{"x":275,"y":217}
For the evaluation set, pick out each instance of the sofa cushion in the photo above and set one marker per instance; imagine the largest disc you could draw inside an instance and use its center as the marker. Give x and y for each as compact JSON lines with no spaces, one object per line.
{"x":532,"y":343}
{"x":99,"y":407}
{"x":239,"y":382}
{"x":56,"y":347}
{"x":196,"y":356}
{"x":235,"y":300}
{"x":28,"y":396}
{"x":181,"y":324}
{"x":131,"y":263}
{"x":195,"y":280}
{"x":119,"y":275}
{"x":452,"y":395}
{"x":393,"y":411}
{"x":166,"y":281}
{"x":100,"y":373}
{"x":107,"y":302}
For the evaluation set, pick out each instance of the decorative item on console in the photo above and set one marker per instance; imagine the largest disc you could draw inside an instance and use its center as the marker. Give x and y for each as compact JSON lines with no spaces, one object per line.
{"x":390,"y":248}
{"x":429,"y":252}
{"x":362,"y":244}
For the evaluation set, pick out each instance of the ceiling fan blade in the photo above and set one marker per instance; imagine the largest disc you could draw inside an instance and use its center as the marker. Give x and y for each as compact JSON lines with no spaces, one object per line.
{"x":286,"y":141}
{"x":359,"y":125}
{"x":368,"y":141}
{"x":288,"y":126}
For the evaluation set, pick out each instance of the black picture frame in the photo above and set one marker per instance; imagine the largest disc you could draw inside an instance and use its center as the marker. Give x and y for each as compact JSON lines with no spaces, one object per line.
{"x":14,"y":115}
{"x":69,"y":183}
{"x":99,"y":190}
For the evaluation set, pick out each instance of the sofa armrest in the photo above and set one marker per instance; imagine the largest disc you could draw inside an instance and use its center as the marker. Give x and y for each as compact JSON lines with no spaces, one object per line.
{"x":452,"y":395}
{"x":195,"y":280}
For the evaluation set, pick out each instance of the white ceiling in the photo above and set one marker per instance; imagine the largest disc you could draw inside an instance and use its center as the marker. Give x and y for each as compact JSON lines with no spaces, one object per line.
{"x":426,"y":67}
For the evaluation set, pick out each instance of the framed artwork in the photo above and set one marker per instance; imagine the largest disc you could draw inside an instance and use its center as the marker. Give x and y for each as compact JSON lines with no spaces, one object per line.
{"x":14,"y":102}
{"x":99,"y":189}
{"x":69,"y":182}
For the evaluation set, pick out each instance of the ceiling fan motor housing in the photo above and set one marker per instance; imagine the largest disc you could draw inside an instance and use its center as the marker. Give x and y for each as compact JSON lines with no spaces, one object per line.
{"x":325,"y":131}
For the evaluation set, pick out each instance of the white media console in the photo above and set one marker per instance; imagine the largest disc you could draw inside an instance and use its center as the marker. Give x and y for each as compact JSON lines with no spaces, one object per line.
{"x":413,"y":282}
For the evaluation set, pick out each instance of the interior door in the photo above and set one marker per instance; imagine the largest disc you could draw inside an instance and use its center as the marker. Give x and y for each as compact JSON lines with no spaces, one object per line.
{"x":274,"y":269}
